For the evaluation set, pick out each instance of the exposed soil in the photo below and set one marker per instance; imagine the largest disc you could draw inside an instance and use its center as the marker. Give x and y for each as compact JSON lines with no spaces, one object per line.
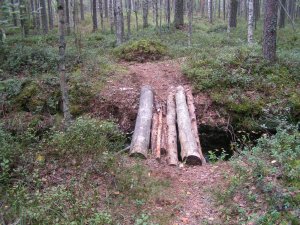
{"x":119,"y":100}
{"x":187,"y":199}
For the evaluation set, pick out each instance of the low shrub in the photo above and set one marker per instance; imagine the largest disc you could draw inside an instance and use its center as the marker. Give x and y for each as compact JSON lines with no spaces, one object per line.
{"x":266,"y":179}
{"x":87,"y":135}
{"x":141,"y":51}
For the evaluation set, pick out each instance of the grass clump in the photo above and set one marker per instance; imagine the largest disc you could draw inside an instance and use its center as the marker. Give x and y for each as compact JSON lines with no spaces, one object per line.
{"x":141,"y":51}
{"x":265,"y":182}
{"x":88,"y":135}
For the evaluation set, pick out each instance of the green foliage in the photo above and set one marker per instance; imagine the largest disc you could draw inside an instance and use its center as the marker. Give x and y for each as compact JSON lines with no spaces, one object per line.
{"x":244,"y":85}
{"x":142,"y":50}
{"x":87,"y":135}
{"x":32,"y":60}
{"x":267,"y":174}
{"x":9,"y":150}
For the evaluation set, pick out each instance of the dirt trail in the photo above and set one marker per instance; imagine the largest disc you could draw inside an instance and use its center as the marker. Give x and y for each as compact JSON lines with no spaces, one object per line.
{"x":119,"y":100}
{"x":187,"y":198}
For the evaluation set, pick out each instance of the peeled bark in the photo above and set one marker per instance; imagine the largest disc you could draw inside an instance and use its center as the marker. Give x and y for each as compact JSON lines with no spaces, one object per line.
{"x":270,"y":29}
{"x":172,"y":158}
{"x":141,"y":137}
{"x":159,"y":136}
{"x":154,"y":128}
{"x":189,"y":148}
{"x":192,"y":111}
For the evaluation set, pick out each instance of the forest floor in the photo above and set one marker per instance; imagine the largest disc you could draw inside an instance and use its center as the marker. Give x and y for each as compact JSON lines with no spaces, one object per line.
{"x":187,"y":199}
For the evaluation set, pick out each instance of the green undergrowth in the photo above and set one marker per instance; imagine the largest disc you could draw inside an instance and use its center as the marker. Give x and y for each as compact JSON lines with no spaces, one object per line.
{"x":249,"y":90}
{"x":141,"y":51}
{"x":263,"y":187}
{"x":86,"y":185}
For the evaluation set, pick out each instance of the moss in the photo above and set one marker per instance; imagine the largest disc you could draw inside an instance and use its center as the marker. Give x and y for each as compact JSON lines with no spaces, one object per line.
{"x":142,"y":50}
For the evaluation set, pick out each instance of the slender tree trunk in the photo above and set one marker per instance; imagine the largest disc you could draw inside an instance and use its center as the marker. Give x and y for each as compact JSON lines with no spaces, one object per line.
{"x":119,"y":32}
{"x":101,"y":14}
{"x":224,"y":10}
{"x":135,"y":10}
{"x":105,"y":9}
{"x":37,"y":15}
{"x":282,"y":14}
{"x":81,"y":10}
{"x":232,"y":14}
{"x":145,"y":13}
{"x":178,"y":14}
{"x":111,"y":15}
{"x":94,"y":16}
{"x":270,"y":29}
{"x":50,"y":14}
{"x":168,"y":9}
{"x":44,"y":16}
{"x":14,"y":16}
{"x":219,"y":9}
{"x":67,"y":17}
{"x":209,"y":10}
{"x":250,"y":22}
{"x":190,"y":15}
{"x":24,"y":19}
{"x":61,"y":66}
{"x":128,"y":18}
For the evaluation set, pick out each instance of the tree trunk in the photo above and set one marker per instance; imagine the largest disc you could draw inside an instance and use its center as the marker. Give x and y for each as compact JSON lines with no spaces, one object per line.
{"x":136,"y":16}
{"x":67,"y":6}
{"x":24,"y":19}
{"x":94,"y":16}
{"x":168,"y":12}
{"x":224,"y":10}
{"x":100,"y":2}
{"x":81,"y":10}
{"x":118,"y":13}
{"x":128,"y":18}
{"x":105,"y":9}
{"x":141,"y":137}
{"x":44,"y":16}
{"x":192,"y":112}
{"x":189,"y":148}
{"x":145,"y":13}
{"x":282,"y":14}
{"x":270,"y":29}
{"x":178,"y":14}
{"x":37,"y":16}
{"x":233,"y":13}
{"x":190,"y":15}
{"x":61,"y":65}
{"x":14,"y":15}
{"x":209,"y":11}
{"x":172,"y":158}
{"x":50,"y":14}
{"x":111,"y":15}
{"x":159,"y":136}
{"x":154,"y":129}
{"x":250,"y":22}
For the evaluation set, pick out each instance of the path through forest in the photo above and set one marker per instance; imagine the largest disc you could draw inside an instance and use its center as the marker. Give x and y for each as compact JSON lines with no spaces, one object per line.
{"x":189,"y":191}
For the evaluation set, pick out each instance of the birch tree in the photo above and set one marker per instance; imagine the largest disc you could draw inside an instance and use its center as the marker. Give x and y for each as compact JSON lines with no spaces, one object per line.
{"x":250,"y":22}
{"x":209,"y":10}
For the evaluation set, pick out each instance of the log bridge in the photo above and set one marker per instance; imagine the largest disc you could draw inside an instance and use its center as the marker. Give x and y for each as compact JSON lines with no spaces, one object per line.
{"x":169,"y":129}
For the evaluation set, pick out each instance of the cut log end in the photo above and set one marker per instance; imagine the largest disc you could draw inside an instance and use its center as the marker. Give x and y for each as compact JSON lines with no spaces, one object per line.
{"x":138,"y":155}
{"x":193,"y":160}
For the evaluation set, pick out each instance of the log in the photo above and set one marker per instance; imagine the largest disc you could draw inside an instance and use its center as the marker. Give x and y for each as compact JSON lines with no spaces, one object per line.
{"x":192,"y":111}
{"x":141,"y":136}
{"x":172,"y":158}
{"x":164,"y":140}
{"x":189,"y":148}
{"x":159,"y":131}
{"x":154,"y":131}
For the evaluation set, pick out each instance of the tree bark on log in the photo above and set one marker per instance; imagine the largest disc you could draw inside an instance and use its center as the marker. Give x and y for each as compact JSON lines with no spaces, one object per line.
{"x":159,"y":138}
{"x":154,"y":132}
{"x":192,"y":111}
{"x":189,"y":148}
{"x":141,"y":137}
{"x":171,"y":131}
